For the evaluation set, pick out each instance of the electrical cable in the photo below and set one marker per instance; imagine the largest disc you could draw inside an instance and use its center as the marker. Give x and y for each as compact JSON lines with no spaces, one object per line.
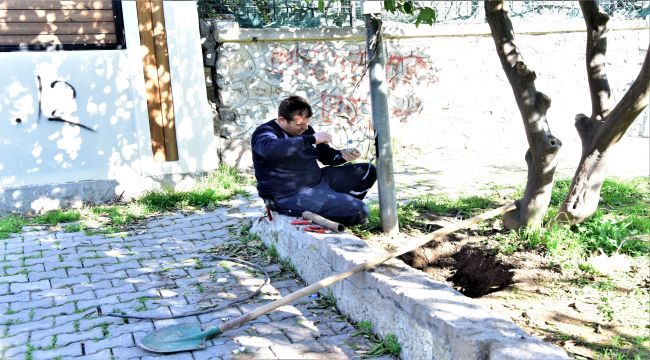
{"x":210,"y":309}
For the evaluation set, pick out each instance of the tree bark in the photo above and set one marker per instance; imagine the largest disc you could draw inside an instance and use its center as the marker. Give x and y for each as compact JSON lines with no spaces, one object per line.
{"x":606,"y":126}
{"x":541,"y":156}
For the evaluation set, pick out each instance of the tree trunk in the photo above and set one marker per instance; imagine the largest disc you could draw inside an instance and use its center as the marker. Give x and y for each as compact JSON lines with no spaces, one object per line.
{"x":606,"y":126}
{"x":541,"y":156}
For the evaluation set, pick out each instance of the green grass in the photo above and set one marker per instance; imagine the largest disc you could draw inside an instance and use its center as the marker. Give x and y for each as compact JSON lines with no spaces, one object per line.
{"x":221,"y":185}
{"x":120,"y":215}
{"x":621,"y":223}
{"x":465,"y":206}
{"x":386,"y":346}
{"x":287,"y":265}
{"x":410,"y":215}
{"x":10,"y":224}
{"x":54,"y":217}
{"x":73,"y":228}
{"x":52,"y":344}
{"x":364,"y":328}
{"x":29,"y":354}
{"x":327,"y":300}
{"x":272,"y":252}
{"x":104,"y":327}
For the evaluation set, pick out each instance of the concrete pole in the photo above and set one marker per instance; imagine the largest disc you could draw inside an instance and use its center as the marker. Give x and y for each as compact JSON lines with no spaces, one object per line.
{"x":379,"y":101}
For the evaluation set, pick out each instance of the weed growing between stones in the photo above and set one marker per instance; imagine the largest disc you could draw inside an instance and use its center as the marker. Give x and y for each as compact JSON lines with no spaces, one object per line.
{"x":273,"y":252}
{"x":29,"y":354}
{"x":143,"y":303}
{"x":386,"y":346}
{"x":52,"y":345}
{"x":326,"y":300}
{"x":105,"y":332}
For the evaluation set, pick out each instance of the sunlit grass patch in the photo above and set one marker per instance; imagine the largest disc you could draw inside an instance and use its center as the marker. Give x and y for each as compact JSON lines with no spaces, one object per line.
{"x":73,"y":228}
{"x":10,"y":224}
{"x":223,"y":184}
{"x":442,"y":205}
{"x":54,"y":217}
{"x":120,"y":214}
{"x":220,"y":185}
{"x":410,"y":215}
{"x":620,"y":225}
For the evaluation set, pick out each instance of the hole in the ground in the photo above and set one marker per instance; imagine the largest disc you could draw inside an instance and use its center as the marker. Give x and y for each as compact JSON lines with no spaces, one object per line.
{"x":479,"y":272}
{"x":473,"y":271}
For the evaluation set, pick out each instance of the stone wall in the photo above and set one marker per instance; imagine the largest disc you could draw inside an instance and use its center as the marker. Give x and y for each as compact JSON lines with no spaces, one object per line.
{"x":430,"y":319}
{"x":449,"y":98}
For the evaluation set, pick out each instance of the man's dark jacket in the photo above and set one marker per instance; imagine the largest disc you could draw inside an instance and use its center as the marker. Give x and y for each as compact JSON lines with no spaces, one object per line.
{"x":285,"y":164}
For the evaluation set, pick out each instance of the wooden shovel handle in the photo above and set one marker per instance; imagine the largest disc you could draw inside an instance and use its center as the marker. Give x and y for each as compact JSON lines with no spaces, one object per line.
{"x":238,"y":321}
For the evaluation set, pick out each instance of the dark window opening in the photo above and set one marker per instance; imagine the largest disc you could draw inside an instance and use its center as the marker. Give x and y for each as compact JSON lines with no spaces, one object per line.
{"x":37,"y":25}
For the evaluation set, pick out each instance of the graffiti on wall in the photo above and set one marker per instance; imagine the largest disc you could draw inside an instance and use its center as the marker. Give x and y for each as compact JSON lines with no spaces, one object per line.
{"x":57,"y":102}
{"x":319,"y":63}
{"x":406,"y":76}
{"x":331,"y":75}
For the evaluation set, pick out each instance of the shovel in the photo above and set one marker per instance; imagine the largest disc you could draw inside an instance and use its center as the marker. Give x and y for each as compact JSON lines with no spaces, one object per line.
{"x":187,"y":337}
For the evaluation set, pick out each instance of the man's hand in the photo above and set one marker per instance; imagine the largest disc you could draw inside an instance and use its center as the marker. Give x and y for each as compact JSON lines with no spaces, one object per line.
{"x":322,"y":137}
{"x":350,"y":154}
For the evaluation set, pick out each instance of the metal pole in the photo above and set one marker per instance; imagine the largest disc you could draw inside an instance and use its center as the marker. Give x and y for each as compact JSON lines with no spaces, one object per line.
{"x":379,"y":101}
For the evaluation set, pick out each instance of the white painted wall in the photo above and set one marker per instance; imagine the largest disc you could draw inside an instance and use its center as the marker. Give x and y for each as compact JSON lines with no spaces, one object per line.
{"x":110,"y":99}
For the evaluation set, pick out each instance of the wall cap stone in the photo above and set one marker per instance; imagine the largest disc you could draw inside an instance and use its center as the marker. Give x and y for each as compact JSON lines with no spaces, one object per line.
{"x":229,"y":31}
{"x":430,"y":319}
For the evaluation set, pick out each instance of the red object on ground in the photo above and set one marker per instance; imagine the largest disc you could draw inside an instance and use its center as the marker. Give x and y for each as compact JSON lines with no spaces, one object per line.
{"x":315,"y":229}
{"x":300,"y":222}
{"x":268,"y":213}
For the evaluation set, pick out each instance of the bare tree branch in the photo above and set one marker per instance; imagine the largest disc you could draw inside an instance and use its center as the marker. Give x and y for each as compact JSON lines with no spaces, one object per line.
{"x":601,"y":95}
{"x":626,"y":111}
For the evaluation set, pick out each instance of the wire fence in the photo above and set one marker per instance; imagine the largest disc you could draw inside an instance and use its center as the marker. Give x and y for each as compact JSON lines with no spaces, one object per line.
{"x":342,"y":13}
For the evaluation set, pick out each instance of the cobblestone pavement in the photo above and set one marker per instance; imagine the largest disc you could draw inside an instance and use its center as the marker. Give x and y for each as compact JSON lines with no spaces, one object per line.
{"x":57,"y":287}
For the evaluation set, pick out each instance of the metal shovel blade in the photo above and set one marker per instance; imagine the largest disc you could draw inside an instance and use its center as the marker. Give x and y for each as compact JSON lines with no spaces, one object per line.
{"x":175,"y":338}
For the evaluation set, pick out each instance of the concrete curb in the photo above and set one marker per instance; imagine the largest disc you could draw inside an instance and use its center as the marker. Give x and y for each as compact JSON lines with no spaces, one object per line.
{"x":430,"y":319}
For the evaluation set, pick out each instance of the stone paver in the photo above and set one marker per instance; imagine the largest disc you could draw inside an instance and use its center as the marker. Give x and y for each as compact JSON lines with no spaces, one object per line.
{"x":56,"y":287}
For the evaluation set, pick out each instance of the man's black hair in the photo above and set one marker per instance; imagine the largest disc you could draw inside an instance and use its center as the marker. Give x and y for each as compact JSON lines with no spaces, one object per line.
{"x":292,"y":106}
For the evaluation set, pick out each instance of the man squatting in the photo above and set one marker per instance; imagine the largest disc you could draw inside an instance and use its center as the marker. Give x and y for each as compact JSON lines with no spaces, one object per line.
{"x":285,"y":154}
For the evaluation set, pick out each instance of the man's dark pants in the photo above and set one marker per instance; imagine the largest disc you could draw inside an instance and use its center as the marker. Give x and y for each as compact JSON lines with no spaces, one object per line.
{"x":337,"y":197}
